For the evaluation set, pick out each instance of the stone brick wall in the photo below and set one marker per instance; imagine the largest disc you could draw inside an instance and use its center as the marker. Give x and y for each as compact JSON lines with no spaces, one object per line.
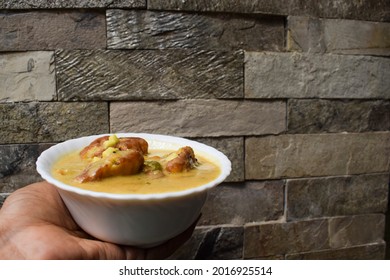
{"x":296,"y":93}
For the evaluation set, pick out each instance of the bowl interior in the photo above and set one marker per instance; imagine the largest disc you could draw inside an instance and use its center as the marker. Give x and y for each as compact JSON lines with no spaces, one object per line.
{"x":155,"y":141}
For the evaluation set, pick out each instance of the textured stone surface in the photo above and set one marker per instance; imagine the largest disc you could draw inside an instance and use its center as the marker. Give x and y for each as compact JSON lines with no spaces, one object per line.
{"x":49,"y":30}
{"x":365,"y":252}
{"x":17,"y":165}
{"x":148,"y":74}
{"x":135,"y":29}
{"x":239,"y":204}
{"x":297,"y":75}
{"x":218,"y":243}
{"x":336,"y":196}
{"x":312,"y":235}
{"x":2,"y":198}
{"x":282,"y":238}
{"x":307,"y":155}
{"x":51,"y":121}
{"x":366,"y":9}
{"x":338,"y":36}
{"x":356,"y":230}
{"x":233,"y":148}
{"x":318,"y":115}
{"x":55,"y":4}
{"x":199,"y":118}
{"x":27,"y":76}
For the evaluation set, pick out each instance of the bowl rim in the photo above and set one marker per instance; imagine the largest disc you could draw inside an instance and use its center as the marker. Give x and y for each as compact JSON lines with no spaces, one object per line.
{"x":44,"y":171}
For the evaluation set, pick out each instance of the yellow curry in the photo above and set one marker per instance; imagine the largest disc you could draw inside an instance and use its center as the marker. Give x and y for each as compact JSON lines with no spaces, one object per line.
{"x":111,"y":165}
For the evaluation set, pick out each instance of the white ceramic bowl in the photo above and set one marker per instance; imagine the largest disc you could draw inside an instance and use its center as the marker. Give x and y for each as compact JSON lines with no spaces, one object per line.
{"x":142,"y":220}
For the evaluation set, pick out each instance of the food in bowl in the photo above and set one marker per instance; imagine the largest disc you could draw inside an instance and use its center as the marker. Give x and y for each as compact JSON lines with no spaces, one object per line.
{"x":126,"y":165}
{"x":137,"y":219}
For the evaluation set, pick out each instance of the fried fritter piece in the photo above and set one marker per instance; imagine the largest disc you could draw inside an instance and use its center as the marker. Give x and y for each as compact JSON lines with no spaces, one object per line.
{"x":114,"y":162}
{"x":98,"y":146}
{"x":95,"y":149}
{"x":183,"y":161}
{"x":134,"y":143}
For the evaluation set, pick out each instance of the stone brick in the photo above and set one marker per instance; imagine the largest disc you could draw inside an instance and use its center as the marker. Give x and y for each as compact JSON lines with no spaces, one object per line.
{"x":366,"y":9}
{"x":27,"y":76}
{"x":17,"y":165}
{"x":63,"y":121}
{"x":58,"y":4}
{"x":302,"y":75}
{"x":233,"y":148}
{"x":312,"y":155}
{"x":136,"y":29}
{"x":365,"y":252}
{"x":239,"y":204}
{"x":338,"y":36}
{"x":337,"y":196}
{"x":51,"y":121}
{"x":316,"y":115}
{"x":148,"y":74}
{"x":3,"y":197}
{"x":199,"y":118}
{"x":218,"y":243}
{"x":281,"y":238}
{"x":356,"y":230}
{"x":49,"y":30}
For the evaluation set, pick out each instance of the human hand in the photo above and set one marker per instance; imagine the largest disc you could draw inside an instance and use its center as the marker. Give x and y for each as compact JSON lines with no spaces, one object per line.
{"x":35,"y":224}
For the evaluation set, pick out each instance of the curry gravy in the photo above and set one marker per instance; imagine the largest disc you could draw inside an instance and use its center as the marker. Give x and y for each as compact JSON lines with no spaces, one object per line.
{"x":70,"y":165}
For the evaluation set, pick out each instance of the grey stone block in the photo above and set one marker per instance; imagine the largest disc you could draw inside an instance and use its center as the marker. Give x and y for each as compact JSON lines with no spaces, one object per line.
{"x":199,"y":118}
{"x":338,"y":36}
{"x":320,"y":115}
{"x":215,"y":243}
{"x":136,"y":29}
{"x":364,"y":252}
{"x":310,"y":155}
{"x":58,"y":4}
{"x":364,"y":10}
{"x":51,"y":121}
{"x":17,"y":165}
{"x":238,"y":204}
{"x":298,"y":75}
{"x":148,"y":74}
{"x":50,"y":30}
{"x":337,"y":196}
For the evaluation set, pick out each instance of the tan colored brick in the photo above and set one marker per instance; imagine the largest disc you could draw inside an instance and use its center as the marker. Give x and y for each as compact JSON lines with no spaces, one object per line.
{"x":338,"y":36}
{"x":26,"y":76}
{"x":49,"y":30}
{"x":199,"y":118}
{"x":305,"y":75}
